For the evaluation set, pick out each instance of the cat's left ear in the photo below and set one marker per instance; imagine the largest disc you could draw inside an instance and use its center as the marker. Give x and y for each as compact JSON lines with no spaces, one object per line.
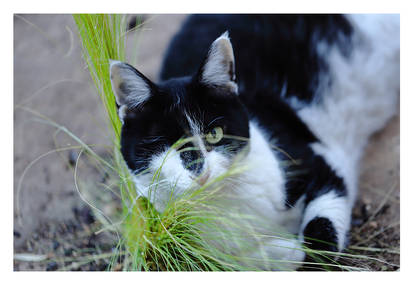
{"x":218,"y":69}
{"x":131,"y":88}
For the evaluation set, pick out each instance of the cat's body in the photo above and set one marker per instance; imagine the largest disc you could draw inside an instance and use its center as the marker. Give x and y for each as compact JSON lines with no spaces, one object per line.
{"x":316,"y":87}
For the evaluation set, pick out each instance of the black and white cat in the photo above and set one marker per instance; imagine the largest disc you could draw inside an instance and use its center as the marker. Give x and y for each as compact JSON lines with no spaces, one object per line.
{"x":315,"y":86}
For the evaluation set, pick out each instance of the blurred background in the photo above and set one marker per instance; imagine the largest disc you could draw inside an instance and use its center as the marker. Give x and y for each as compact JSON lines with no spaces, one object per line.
{"x":51,"y":79}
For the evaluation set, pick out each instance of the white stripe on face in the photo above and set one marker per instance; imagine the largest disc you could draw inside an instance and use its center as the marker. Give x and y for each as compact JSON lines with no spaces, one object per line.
{"x":196,"y":131}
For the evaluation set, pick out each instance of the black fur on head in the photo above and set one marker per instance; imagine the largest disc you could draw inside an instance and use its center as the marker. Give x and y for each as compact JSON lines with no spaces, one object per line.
{"x":155,"y":116}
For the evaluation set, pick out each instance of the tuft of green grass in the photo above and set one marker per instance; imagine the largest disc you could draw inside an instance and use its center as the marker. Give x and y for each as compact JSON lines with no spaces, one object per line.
{"x":103,"y":38}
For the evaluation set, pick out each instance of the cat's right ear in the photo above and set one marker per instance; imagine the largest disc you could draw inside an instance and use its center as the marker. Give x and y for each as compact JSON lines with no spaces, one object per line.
{"x":131,"y":88}
{"x":218,"y":69}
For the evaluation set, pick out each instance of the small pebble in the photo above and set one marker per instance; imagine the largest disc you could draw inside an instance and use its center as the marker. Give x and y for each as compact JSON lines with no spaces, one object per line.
{"x":384,"y":209}
{"x":68,"y":251}
{"x":105,"y":176}
{"x":87,"y":216}
{"x":52,"y":266}
{"x":373,"y":224}
{"x":29,"y":246}
{"x":72,"y":157}
{"x":71,"y":227}
{"x":92,"y":267}
{"x":365,"y":211}
{"x":356,"y":222}
{"x":75,"y":211}
{"x":16,"y":234}
{"x":118,"y":267}
{"x":132,"y":23}
{"x":102,"y":267}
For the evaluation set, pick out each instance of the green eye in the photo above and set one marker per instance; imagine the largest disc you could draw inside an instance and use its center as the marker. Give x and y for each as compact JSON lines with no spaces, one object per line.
{"x":215,"y":135}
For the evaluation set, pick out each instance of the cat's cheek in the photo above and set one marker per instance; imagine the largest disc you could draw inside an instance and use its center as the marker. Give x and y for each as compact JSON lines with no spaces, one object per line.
{"x":217,"y":164}
{"x":168,"y":174}
{"x":171,"y":169}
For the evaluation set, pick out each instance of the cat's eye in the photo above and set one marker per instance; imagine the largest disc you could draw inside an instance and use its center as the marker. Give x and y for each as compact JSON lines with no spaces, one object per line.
{"x":215,"y":135}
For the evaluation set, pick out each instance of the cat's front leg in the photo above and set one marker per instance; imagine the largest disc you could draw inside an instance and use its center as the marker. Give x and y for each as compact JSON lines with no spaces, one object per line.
{"x":325,"y":225}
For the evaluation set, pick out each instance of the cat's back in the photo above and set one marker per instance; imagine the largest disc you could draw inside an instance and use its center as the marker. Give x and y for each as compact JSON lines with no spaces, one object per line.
{"x":272,"y":52}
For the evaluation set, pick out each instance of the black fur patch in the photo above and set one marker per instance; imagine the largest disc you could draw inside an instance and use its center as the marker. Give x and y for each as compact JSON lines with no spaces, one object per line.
{"x":191,"y":158}
{"x":270,"y":50}
{"x":307,"y":173}
{"x":320,"y":234}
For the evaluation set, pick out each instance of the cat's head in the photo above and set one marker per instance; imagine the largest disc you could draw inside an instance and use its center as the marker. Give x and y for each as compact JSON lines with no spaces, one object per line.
{"x":203,"y":109}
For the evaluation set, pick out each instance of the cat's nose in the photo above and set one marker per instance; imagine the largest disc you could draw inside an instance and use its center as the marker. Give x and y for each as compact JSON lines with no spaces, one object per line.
{"x":203,"y":178}
{"x":192,"y":158}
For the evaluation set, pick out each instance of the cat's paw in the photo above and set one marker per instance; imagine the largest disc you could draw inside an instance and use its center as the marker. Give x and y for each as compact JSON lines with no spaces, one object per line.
{"x":320,"y":235}
{"x":280,"y":254}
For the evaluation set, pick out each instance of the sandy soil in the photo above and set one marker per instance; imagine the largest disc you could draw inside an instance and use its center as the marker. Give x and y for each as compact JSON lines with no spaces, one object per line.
{"x":50,"y":78}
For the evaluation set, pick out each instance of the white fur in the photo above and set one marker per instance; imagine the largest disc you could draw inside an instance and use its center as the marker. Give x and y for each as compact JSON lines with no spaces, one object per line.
{"x":196,"y":130}
{"x":264,"y":179}
{"x":333,"y":207}
{"x":362,"y":98}
{"x":276,"y":250}
{"x":122,"y":112}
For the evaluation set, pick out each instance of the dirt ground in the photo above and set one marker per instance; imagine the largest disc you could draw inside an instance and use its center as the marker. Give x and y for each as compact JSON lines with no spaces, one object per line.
{"x":50,"y":78}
